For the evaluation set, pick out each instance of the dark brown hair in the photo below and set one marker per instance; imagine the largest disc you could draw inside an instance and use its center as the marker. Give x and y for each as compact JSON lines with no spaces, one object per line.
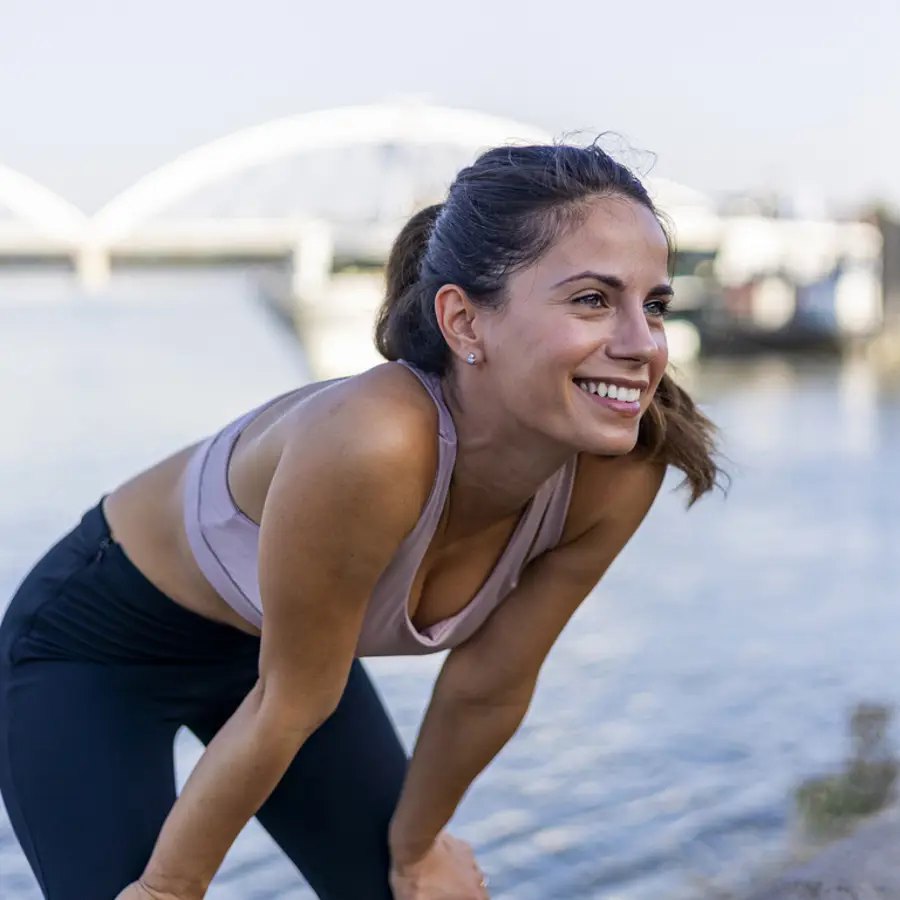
{"x":501,"y":215}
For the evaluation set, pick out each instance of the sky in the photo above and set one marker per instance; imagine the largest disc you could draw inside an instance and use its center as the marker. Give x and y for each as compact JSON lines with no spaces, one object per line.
{"x":800,"y":96}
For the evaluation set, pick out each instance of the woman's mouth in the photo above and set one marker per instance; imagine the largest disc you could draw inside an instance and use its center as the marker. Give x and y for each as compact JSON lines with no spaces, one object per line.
{"x":620,"y":398}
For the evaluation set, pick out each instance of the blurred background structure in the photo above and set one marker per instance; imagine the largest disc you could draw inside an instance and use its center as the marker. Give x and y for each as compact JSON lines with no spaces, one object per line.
{"x":311,"y":203}
{"x":196,"y":202}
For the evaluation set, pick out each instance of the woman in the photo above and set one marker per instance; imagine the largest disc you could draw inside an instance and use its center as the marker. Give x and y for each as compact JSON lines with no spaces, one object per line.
{"x":467,"y":494}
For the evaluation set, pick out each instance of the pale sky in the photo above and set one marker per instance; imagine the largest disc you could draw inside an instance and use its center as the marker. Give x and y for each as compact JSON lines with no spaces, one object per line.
{"x":801,"y":95}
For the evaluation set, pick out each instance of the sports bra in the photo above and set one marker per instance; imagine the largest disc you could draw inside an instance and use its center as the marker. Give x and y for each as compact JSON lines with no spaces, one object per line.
{"x":225,"y":542}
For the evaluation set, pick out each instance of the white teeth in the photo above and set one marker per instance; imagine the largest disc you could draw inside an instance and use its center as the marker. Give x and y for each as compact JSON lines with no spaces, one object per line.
{"x":614,"y":392}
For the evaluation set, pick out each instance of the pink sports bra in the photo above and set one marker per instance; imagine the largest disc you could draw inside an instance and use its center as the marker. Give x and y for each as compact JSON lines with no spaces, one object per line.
{"x":225,"y":542}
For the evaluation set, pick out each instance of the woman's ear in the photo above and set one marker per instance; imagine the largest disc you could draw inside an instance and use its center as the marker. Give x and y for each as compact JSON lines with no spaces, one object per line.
{"x":457,"y":317}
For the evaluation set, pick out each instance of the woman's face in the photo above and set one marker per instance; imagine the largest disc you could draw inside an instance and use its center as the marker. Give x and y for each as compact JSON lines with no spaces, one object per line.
{"x":579,"y":348}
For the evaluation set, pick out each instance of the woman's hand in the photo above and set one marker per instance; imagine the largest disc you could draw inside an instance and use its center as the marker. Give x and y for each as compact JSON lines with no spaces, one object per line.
{"x":139,"y":891}
{"x":447,"y":872}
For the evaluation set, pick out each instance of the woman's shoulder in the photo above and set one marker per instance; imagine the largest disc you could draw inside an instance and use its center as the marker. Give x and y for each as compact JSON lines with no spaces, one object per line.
{"x":387,"y":403}
{"x":380,"y":419}
{"x":607,"y":488}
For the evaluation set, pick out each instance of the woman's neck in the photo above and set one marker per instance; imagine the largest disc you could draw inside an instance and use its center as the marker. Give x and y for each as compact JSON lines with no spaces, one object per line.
{"x":500,"y":464}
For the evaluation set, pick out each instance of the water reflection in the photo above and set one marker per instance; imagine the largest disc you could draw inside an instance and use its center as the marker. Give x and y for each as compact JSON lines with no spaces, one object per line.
{"x":708,"y":675}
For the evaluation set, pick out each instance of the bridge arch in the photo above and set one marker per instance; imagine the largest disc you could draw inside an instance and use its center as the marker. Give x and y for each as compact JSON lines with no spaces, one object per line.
{"x":402,"y":123}
{"x":39,"y":207}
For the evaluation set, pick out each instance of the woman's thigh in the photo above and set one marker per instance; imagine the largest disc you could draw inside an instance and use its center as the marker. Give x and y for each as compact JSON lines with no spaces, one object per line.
{"x":97,"y":671}
{"x":86,"y":776}
{"x":330,"y":813}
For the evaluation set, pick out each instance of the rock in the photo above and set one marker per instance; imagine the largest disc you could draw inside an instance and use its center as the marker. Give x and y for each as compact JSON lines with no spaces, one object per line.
{"x":864,"y":866}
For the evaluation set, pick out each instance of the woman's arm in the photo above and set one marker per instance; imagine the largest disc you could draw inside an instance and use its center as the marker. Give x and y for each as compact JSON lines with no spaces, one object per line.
{"x":335,"y":514}
{"x":485,"y":686}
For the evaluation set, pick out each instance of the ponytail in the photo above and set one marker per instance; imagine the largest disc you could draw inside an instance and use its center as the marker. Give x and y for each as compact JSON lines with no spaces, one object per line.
{"x":406,"y":326}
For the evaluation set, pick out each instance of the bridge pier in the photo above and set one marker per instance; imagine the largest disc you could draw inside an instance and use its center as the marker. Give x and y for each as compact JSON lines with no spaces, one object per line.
{"x":93,"y":267}
{"x":333,"y":312}
{"x":312,"y":260}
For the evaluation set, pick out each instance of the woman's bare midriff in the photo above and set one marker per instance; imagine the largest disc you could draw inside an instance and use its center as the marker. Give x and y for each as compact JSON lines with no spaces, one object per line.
{"x":146,"y":519}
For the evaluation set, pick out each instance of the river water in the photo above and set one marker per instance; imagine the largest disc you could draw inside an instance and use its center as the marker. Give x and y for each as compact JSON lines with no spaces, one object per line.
{"x":709,"y":673}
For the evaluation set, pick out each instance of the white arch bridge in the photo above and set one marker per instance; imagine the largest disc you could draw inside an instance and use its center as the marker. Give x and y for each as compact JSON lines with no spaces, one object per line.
{"x":314,"y":194}
{"x":177,"y":211}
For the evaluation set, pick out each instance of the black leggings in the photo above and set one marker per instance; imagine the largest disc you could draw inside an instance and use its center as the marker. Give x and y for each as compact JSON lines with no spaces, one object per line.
{"x":99,"y":669}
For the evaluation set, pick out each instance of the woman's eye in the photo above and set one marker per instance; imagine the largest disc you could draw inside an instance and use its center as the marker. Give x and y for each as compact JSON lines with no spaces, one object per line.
{"x":594,"y":301}
{"x":658,"y":308}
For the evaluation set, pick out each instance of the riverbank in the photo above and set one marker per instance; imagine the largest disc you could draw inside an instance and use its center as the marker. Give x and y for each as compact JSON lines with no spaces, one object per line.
{"x":863,"y":866}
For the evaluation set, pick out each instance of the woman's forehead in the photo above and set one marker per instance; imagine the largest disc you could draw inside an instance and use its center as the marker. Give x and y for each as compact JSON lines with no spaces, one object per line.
{"x":615,"y":236}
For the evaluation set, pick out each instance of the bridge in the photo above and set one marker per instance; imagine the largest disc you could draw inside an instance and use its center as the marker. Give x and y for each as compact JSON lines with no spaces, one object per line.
{"x":313,"y":199}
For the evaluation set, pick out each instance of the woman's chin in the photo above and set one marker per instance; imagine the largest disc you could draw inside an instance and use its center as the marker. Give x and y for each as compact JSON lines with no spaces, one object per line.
{"x":614,"y":442}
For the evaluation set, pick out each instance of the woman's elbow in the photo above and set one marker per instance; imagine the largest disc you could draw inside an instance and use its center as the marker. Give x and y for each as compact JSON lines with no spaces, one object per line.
{"x":295,"y":715}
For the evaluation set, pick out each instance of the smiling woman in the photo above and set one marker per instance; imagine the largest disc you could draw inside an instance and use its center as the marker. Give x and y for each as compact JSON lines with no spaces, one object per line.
{"x":467,"y":496}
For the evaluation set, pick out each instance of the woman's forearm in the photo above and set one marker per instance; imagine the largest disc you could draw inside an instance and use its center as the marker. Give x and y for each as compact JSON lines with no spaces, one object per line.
{"x":458,"y":739}
{"x":239,"y":769}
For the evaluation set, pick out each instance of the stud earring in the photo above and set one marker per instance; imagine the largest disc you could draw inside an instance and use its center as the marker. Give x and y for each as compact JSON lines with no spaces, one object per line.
{"x":470,"y":359}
